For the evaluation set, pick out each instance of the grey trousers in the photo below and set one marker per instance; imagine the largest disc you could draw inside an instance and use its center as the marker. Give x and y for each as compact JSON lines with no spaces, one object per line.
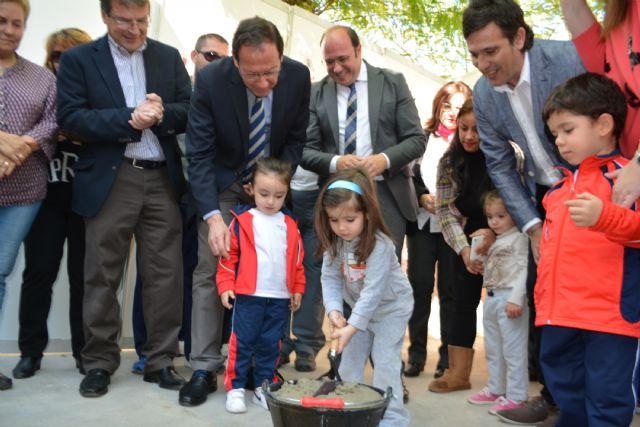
{"x":383,"y":339}
{"x":141,"y":204}
{"x":207,"y":312}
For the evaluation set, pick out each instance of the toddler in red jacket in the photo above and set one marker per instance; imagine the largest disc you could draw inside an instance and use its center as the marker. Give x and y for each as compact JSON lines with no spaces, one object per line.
{"x":265,"y":276}
{"x":587,"y":294}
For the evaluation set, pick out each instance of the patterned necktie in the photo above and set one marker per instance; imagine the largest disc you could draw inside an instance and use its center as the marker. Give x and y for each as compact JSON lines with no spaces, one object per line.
{"x":257,"y":137}
{"x":352,"y":121}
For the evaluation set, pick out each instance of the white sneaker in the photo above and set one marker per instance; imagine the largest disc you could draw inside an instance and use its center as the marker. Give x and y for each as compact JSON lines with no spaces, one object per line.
{"x":259,"y":398}
{"x":235,"y":401}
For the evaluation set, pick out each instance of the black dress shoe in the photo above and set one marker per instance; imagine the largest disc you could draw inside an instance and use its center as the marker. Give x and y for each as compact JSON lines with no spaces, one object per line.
{"x":5,"y":382}
{"x":195,"y":392}
{"x":166,"y":378}
{"x":26,"y":367}
{"x":96,"y":383}
{"x":413,"y":370}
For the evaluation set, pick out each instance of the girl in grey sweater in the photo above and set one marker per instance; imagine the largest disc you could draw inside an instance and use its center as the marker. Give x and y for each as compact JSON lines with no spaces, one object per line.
{"x":360,"y":267}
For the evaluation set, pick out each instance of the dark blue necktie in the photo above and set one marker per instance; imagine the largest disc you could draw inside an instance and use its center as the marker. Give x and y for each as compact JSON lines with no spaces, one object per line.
{"x":257,"y":136}
{"x":352,"y":121}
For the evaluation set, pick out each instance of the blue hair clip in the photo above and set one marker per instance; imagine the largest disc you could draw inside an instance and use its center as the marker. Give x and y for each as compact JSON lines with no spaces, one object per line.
{"x":347,"y":185}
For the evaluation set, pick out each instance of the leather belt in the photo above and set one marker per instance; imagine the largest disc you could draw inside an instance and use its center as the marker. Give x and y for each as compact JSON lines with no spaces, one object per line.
{"x":145,"y":164}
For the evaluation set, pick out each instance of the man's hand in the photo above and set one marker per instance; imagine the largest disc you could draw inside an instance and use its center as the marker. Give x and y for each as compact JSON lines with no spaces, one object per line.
{"x":534,"y":233}
{"x":296,"y":299}
{"x":347,"y":161}
{"x":219,"y":238}
{"x":585,"y":209}
{"x":513,"y":310}
{"x":626,"y":188}
{"x":148,"y":113}
{"x":375,"y":164}
{"x":226,"y":298}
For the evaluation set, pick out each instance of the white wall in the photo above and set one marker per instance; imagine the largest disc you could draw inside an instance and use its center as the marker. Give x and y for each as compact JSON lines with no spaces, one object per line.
{"x":179,"y":23}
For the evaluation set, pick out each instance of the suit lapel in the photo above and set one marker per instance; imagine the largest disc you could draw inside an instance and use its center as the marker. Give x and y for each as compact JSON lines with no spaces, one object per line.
{"x":331,"y":106}
{"x":240,"y":105}
{"x":151,"y":66}
{"x":107,"y":69}
{"x":375,"y":81}
{"x":539,"y":71}
{"x":278,"y":106}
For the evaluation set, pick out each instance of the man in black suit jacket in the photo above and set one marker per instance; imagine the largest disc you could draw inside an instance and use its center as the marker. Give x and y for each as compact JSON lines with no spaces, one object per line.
{"x":126,"y":97}
{"x":218,"y":154}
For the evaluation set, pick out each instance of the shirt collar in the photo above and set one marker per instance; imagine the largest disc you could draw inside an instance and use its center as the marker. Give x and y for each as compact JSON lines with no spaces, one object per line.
{"x":115,"y":47}
{"x":525,"y":76}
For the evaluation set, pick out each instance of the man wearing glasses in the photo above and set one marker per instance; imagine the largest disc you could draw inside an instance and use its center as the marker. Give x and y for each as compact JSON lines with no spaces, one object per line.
{"x":260,"y":89}
{"x":127,"y":97}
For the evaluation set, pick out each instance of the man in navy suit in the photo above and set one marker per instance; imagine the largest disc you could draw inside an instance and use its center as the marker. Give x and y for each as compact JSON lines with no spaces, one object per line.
{"x":218,"y":151}
{"x":518,"y":74}
{"x":126,"y":97}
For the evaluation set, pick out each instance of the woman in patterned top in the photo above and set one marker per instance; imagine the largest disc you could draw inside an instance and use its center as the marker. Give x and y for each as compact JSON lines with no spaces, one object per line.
{"x":27,"y":130}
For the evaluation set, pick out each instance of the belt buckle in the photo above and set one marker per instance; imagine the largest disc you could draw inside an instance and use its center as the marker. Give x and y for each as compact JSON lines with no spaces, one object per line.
{"x":134,"y":163}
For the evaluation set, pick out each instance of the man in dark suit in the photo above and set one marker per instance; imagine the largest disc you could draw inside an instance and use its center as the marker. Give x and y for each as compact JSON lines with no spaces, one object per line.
{"x":126,"y":97}
{"x":259,"y":88}
{"x":388,"y":134}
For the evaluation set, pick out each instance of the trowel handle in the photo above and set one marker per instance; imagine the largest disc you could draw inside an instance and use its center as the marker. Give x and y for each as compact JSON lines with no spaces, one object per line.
{"x":333,"y":350}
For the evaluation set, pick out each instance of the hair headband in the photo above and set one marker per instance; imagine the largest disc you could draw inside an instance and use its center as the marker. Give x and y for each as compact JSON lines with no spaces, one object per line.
{"x":347,"y":185}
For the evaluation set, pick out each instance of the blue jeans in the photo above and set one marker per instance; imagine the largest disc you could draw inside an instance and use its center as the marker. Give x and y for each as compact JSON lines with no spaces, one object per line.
{"x":15,"y":222}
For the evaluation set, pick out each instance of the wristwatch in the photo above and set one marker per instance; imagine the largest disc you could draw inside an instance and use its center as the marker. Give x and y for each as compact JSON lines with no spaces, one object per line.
{"x":637,"y":156}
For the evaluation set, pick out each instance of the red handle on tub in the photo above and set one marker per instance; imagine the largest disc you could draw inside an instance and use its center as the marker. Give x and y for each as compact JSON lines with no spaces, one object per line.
{"x":322,"y":402}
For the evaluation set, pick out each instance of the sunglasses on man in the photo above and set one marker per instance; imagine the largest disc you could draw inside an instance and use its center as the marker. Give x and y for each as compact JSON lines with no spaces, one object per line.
{"x":210,"y":56}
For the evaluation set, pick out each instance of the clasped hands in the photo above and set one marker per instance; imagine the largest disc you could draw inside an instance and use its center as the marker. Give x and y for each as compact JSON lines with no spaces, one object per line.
{"x":374,"y":164}
{"x":148,"y":113}
{"x":14,"y":151}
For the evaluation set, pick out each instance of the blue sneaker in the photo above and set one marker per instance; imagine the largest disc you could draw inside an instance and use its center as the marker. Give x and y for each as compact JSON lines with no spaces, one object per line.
{"x":138,"y":366}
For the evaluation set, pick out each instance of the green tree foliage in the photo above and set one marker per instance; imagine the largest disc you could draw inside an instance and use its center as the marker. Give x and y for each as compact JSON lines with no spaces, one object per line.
{"x":429,"y":32}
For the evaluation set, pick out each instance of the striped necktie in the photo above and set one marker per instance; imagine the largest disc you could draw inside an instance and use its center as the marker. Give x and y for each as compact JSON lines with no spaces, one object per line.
{"x":257,"y":137}
{"x":352,"y":121}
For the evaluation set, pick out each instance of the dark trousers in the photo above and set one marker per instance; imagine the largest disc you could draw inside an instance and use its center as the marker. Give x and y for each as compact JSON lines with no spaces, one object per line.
{"x":43,"y":249}
{"x":425,"y":251}
{"x":140,"y":203}
{"x":189,"y":259}
{"x":590,"y":376}
{"x":256,"y":329}
{"x":534,"y":332}
{"x":467,"y":289}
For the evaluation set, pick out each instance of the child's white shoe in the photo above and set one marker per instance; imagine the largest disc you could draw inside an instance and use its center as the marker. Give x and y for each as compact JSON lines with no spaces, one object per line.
{"x":259,"y":398}
{"x":235,"y":401}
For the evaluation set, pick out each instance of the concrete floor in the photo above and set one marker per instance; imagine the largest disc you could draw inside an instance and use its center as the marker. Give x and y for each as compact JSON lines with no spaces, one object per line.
{"x":51,"y":398}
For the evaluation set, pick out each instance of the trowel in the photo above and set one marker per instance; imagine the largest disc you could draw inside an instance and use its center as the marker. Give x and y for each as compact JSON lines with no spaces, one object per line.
{"x":330,"y":386}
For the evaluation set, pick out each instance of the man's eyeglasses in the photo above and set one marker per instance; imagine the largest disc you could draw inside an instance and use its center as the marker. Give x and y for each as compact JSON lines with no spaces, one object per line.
{"x":339,"y":60}
{"x":126,"y":22}
{"x":55,"y":56}
{"x":269,"y":75}
{"x":210,"y":56}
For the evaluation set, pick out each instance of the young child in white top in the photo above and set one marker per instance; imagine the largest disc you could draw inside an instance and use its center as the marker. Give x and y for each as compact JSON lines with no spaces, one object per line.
{"x":505,"y":313}
{"x":265,"y":276}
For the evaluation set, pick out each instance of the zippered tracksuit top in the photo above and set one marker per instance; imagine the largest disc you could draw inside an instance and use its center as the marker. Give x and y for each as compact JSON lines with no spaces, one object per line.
{"x":257,"y":321}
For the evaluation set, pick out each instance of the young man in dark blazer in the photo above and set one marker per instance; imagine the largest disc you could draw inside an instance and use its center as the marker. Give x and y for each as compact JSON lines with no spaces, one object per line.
{"x":126,"y":97}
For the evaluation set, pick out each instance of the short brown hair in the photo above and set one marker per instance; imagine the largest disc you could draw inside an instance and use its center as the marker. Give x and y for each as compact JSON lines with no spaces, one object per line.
{"x":272,"y":166}
{"x":367,"y":203}
{"x":106,"y":5}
